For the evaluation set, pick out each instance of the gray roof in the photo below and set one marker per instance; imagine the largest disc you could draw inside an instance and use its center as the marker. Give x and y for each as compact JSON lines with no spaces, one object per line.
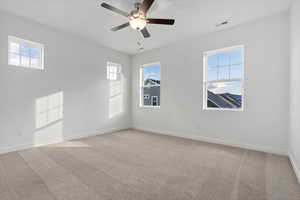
{"x":225,"y":100}
{"x":152,"y":82}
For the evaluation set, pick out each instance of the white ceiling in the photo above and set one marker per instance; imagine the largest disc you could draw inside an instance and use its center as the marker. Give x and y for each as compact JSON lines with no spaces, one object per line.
{"x":193,"y":17}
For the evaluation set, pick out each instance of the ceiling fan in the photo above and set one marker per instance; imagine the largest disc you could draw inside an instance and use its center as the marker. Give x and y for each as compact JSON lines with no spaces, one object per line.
{"x":138,"y":18}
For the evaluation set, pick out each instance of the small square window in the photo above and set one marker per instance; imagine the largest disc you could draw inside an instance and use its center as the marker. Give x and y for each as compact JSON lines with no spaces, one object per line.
{"x":25,"y":53}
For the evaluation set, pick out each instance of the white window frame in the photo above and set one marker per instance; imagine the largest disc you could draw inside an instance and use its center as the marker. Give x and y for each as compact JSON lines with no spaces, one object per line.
{"x":206,"y":82}
{"x":31,"y":44}
{"x":110,"y":73}
{"x":142,"y":86}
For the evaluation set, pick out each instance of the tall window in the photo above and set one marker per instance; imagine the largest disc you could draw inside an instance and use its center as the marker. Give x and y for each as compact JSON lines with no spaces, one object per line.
{"x":113,"y":71}
{"x":25,"y":53}
{"x":49,"y":109}
{"x":150,"y":85}
{"x":223,"y":79}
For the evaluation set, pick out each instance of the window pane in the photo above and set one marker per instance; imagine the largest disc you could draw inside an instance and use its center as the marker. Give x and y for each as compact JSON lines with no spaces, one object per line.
{"x":25,"y":50}
{"x":14,"y":48}
{"x":151,"y":94}
{"x":224,"y":59}
{"x":14,"y":59}
{"x":35,"y":52}
{"x":213,"y":60}
{"x":224,"y":73}
{"x":236,"y":57}
{"x":224,"y":95}
{"x":236,"y":71}
{"x":151,"y":75}
{"x":212,"y":73}
{"x":225,"y":66}
{"x":35,"y":62}
{"x":25,"y":53}
{"x":25,"y":61}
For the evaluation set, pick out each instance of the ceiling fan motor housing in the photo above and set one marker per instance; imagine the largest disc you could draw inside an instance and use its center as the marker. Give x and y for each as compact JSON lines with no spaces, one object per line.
{"x":137,"y":5}
{"x":137,"y":20}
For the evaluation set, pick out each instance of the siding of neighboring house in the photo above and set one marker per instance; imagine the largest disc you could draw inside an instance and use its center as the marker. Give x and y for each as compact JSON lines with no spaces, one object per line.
{"x":151,"y":92}
{"x":154,"y":91}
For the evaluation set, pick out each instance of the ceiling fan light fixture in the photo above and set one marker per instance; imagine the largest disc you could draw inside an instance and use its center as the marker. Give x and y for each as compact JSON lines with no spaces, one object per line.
{"x":137,"y":22}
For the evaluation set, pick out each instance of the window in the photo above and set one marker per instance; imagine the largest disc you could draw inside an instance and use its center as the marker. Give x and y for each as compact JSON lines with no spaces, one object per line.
{"x":25,"y":53}
{"x":49,"y":109}
{"x":150,"y":85}
{"x":113,"y":71}
{"x":223,"y":79}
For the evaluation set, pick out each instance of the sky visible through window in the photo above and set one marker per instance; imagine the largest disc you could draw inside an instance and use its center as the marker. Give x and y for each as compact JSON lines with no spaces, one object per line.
{"x":225,"y":66}
{"x":25,"y":54}
{"x":29,"y":51}
{"x":152,"y":72}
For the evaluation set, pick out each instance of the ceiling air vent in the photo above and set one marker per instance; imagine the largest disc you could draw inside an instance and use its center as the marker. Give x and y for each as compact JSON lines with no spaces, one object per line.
{"x":222,"y":23}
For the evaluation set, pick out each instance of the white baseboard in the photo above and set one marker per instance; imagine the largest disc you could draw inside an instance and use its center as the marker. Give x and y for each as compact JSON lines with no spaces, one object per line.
{"x":216,"y":141}
{"x":67,"y":138}
{"x":170,"y":133}
{"x":295,"y":165}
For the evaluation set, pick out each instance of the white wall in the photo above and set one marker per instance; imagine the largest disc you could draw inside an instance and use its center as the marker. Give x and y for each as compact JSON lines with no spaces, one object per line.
{"x":264,"y":123}
{"x":295,"y":87}
{"x":72,"y":65}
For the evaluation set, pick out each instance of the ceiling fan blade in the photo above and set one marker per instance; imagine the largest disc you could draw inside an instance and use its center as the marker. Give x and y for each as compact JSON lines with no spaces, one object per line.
{"x":120,"y":27}
{"x":114,"y":9}
{"x":146,"y":5}
{"x":145,"y":33}
{"x":161,"y":21}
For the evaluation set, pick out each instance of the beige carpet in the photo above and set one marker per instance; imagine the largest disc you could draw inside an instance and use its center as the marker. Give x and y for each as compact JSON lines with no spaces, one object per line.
{"x":133,"y":165}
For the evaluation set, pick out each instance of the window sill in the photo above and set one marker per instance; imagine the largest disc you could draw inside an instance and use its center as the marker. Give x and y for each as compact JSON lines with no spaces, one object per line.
{"x":149,"y":107}
{"x":27,"y":67}
{"x":224,"y":109}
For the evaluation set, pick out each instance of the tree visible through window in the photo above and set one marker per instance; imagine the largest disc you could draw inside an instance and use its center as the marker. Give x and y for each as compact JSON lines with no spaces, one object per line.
{"x":223,"y":79}
{"x":150,"y":85}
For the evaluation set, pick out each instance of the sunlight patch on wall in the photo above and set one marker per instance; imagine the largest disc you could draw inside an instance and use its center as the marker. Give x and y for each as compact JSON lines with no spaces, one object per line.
{"x":114,"y":75}
{"x":49,"y":109}
{"x":48,"y":119}
{"x":115,"y":99}
{"x":50,"y":134}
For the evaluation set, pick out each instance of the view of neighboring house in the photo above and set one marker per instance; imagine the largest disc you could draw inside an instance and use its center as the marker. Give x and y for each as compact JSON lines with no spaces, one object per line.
{"x":152,"y":94}
{"x":225,"y":100}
